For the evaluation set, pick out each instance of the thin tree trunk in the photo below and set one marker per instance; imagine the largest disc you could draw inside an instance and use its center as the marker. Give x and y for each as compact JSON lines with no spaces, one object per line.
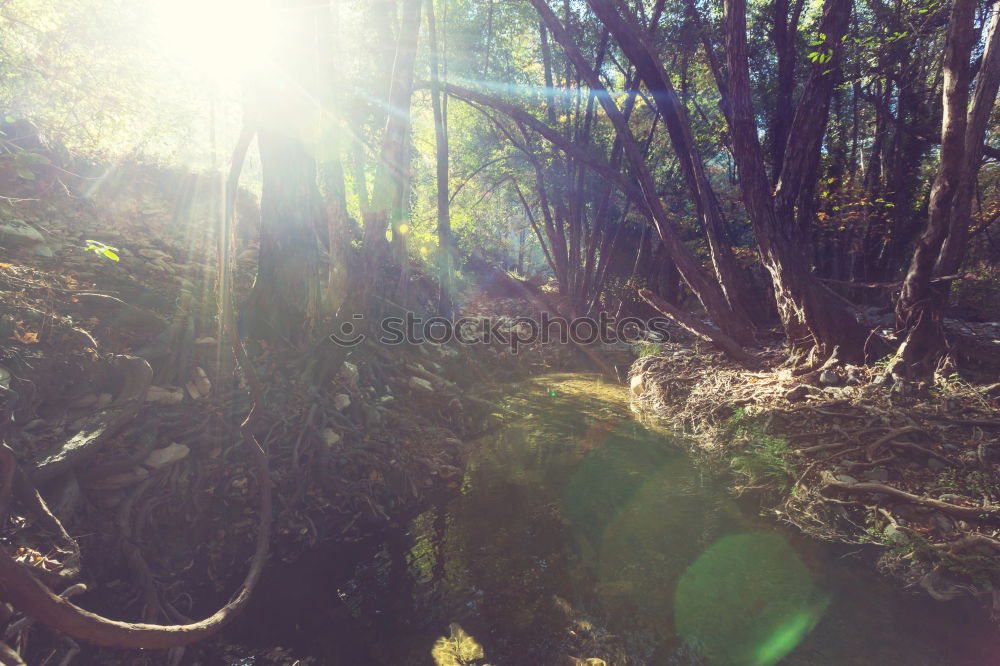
{"x":708,"y":292}
{"x":987,"y":82}
{"x":920,"y":306}
{"x":445,"y":253}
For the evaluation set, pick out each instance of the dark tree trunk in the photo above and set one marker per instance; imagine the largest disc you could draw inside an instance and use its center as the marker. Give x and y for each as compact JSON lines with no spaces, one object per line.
{"x":812,"y":315}
{"x":650,"y":70}
{"x":284,"y":300}
{"x":920,"y":305}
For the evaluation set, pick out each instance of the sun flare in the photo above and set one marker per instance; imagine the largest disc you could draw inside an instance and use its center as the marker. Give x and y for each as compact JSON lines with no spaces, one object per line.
{"x":222,"y":39}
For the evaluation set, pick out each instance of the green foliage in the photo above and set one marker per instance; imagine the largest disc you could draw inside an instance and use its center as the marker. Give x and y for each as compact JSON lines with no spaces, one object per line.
{"x":97,"y":247}
{"x":643,"y":349}
{"x":974,"y":483}
{"x":763,"y":458}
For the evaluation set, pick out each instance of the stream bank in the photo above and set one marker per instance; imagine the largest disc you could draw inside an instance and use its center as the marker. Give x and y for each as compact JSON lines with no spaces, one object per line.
{"x":581,"y":537}
{"x":854,"y":455}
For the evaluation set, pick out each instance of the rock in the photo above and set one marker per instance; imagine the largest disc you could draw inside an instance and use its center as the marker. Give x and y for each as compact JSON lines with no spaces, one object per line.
{"x":17,"y":233}
{"x":164,"y":395}
{"x":85,"y":400}
{"x":168,"y":455}
{"x":103,"y":400}
{"x":116,"y":481}
{"x":829,"y":378}
{"x":419,"y":384}
{"x":207,"y":341}
{"x":951,"y":497}
{"x":331,"y":436}
{"x":852,"y":381}
{"x":879,"y":474}
{"x":798,"y":393}
{"x":637,"y":384}
{"x":154,"y":255}
{"x":341,"y":401}
{"x":349,"y":373}
{"x":935,"y":465}
{"x":846,"y":478}
{"x":199,"y":386}
{"x":895,"y":535}
{"x":43,"y":251}
{"x":942,"y":523}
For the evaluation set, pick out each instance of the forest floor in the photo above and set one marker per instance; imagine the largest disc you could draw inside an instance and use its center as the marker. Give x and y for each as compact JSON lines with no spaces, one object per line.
{"x":855,"y":455}
{"x":123,"y":408}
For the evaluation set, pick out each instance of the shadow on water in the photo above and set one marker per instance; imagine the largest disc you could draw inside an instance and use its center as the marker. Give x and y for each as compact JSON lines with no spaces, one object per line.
{"x":577,"y":531}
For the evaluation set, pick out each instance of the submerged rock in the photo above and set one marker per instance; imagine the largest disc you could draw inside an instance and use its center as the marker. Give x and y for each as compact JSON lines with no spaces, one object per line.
{"x":167,"y":455}
{"x":829,"y":378}
{"x":164,"y":395}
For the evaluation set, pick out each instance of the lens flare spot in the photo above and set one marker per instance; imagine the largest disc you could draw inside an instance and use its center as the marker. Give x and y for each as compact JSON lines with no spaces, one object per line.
{"x":747,"y":601}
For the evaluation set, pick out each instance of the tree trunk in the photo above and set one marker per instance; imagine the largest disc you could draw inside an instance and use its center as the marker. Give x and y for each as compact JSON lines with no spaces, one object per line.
{"x":919,"y":309}
{"x":707,"y":291}
{"x":439,"y":109}
{"x":734,"y":284}
{"x":283,"y":303}
{"x":987,"y":82}
{"x":813,"y":317}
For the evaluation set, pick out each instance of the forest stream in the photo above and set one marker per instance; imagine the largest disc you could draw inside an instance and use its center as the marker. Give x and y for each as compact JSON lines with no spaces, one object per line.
{"x":579,"y":534}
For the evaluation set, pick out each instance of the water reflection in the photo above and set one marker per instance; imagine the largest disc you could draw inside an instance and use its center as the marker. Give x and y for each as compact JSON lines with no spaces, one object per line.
{"x":580,"y":536}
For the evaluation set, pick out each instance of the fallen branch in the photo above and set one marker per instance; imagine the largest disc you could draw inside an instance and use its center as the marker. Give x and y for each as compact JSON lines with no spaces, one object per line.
{"x":973,"y":513}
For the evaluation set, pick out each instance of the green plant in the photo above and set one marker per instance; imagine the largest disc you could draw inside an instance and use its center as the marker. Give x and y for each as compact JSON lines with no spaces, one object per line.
{"x":643,"y":349}
{"x":97,"y":247}
{"x":765,"y":459}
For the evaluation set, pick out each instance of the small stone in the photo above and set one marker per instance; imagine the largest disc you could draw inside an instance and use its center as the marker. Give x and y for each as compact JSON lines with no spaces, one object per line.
{"x":637,"y":384}
{"x":116,"y":481}
{"x":349,"y":373}
{"x":829,"y":378}
{"x":798,"y":393}
{"x":935,"y":465}
{"x":846,"y":478}
{"x":341,"y":401}
{"x":207,"y":341}
{"x":951,"y":497}
{"x":167,"y":455}
{"x":86,"y":400}
{"x":331,"y":436}
{"x":852,"y":381}
{"x":942,"y":523}
{"x":420,"y":384}
{"x":879,"y":474}
{"x":164,"y":395}
{"x":199,"y":386}
{"x":895,"y":535}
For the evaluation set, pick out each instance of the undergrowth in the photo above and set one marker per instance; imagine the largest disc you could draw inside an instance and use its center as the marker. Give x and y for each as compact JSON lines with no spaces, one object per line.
{"x":763,"y":458}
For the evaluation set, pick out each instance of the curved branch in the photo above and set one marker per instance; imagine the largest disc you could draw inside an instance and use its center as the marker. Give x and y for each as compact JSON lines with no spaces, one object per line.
{"x":19,"y":586}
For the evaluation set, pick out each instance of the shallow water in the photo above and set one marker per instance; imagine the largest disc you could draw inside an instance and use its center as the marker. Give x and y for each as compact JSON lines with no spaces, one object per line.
{"x":579,"y":531}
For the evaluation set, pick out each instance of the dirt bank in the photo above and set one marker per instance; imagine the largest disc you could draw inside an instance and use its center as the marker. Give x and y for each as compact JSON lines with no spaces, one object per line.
{"x":852,"y":454}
